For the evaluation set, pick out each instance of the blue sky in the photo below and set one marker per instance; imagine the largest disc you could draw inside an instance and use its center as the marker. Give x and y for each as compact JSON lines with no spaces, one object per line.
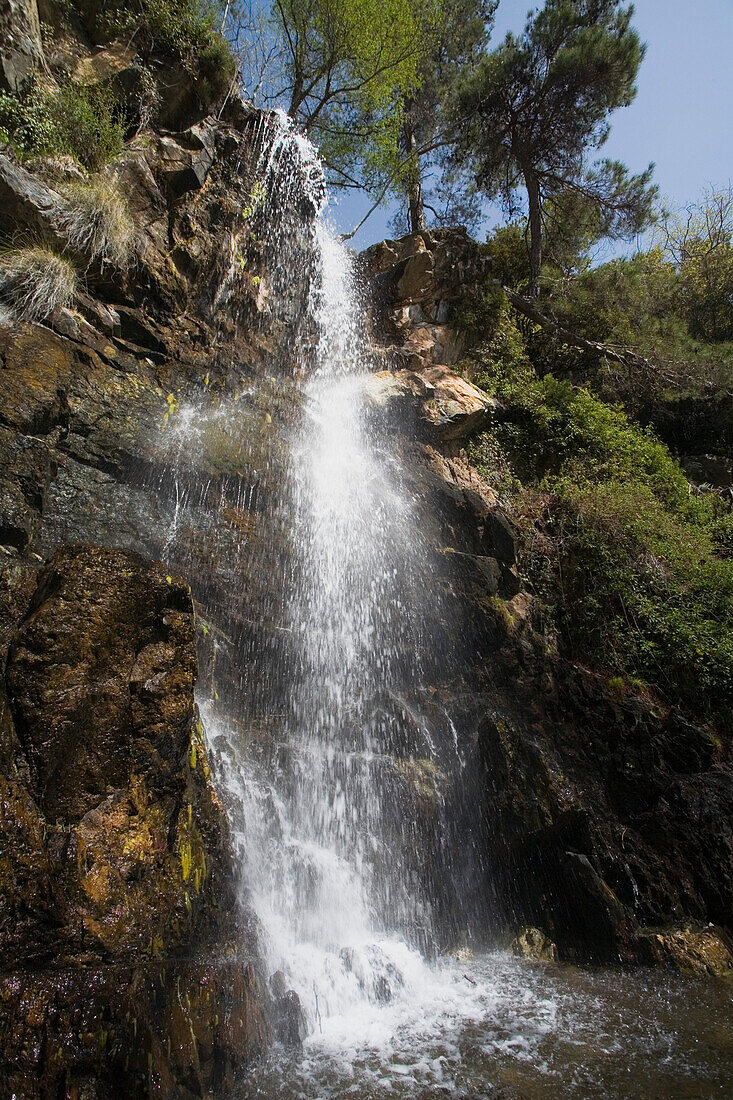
{"x":682,"y":117}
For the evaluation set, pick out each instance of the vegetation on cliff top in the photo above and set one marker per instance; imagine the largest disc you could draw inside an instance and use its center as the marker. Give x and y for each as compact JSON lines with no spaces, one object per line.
{"x":632,"y":567}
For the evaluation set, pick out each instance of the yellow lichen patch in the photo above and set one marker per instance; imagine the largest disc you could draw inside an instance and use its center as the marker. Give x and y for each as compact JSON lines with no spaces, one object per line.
{"x":139,"y":843}
{"x":186,"y":859}
{"x":99,"y":884}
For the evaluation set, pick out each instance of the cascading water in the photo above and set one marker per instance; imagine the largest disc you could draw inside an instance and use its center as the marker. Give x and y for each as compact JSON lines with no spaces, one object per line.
{"x":329,"y":842}
{"x":335,"y":756}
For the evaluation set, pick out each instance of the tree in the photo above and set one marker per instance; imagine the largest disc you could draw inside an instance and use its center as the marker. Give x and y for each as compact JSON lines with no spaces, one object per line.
{"x":699,"y":241}
{"x":341,"y":69}
{"x":533,"y":108}
{"x":462,"y":35}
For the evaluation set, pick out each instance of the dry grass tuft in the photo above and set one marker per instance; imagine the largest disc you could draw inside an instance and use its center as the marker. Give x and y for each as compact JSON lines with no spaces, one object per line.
{"x":36,"y":281}
{"x":95,"y":219}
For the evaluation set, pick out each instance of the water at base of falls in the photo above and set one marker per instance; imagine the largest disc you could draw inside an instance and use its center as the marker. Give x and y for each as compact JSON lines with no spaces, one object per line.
{"x":495,"y":1027}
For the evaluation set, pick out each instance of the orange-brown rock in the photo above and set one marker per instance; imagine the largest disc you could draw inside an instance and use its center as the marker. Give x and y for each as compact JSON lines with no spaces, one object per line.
{"x":123,"y":963}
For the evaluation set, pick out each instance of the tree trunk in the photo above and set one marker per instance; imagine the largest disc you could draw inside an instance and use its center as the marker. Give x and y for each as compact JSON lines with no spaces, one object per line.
{"x":414,"y":175}
{"x":535,"y":229}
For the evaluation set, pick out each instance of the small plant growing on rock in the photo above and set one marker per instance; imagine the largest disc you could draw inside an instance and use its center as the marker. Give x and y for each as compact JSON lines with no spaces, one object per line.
{"x":95,"y":219}
{"x":36,"y":281}
{"x":48,"y":119}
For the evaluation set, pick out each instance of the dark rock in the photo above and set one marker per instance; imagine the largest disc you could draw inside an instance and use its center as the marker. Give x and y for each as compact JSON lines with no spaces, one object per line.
{"x":714,"y":470}
{"x":117,"y":907}
{"x":185,"y":159}
{"x":499,"y":538}
{"x":602,"y":815}
{"x":288,"y":1021}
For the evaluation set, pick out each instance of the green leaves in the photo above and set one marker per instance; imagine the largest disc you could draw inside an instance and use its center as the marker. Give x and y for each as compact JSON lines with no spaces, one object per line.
{"x":632,"y":569}
{"x":532,"y":111}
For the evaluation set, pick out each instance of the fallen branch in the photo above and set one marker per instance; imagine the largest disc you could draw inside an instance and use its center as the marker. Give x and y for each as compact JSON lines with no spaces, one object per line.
{"x":627,"y":357}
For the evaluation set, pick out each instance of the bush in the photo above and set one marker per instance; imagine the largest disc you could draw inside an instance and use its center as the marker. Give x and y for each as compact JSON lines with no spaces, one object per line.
{"x":36,"y":281}
{"x":96,"y":221}
{"x":631,"y":569}
{"x":51,"y":119}
{"x":644,"y":590}
{"x":183,"y":31}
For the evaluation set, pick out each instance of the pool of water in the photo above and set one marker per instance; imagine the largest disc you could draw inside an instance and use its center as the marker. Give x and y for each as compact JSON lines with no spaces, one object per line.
{"x":499,"y":1027}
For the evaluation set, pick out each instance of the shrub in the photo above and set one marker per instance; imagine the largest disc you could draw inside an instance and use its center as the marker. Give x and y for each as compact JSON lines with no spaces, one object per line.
{"x":51,"y":119}
{"x":96,"y":221}
{"x":184,"y":31}
{"x":645,"y":590}
{"x":36,"y":281}
{"x":631,"y":569}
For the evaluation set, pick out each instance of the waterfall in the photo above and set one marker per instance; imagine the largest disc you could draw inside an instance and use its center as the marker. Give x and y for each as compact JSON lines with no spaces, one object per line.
{"x":323,"y":694}
{"x":333,"y":850}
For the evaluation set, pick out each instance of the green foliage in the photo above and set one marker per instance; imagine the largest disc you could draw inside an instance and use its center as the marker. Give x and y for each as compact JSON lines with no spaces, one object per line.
{"x":632,"y":570}
{"x":530,"y":111}
{"x":345,"y":52}
{"x":426,"y":180}
{"x":342,"y":69}
{"x":698,"y":241}
{"x":644,"y":588}
{"x":507,"y":250}
{"x":51,"y":119}
{"x":641,"y":303}
{"x":183,"y":31}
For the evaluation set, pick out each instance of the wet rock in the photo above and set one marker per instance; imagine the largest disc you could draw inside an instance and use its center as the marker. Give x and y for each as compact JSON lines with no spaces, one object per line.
{"x":531,"y":943}
{"x":689,"y":950}
{"x":288,"y":1021}
{"x":116,"y":875}
{"x":107,"y":637}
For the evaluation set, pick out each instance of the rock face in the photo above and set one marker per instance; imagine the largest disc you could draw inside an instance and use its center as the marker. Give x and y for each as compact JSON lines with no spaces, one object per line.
{"x":122,"y":967}
{"x":604,"y":820}
{"x":128,"y":966}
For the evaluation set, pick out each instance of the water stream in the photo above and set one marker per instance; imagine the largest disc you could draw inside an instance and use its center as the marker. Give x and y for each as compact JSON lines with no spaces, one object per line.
{"x":338,"y":807}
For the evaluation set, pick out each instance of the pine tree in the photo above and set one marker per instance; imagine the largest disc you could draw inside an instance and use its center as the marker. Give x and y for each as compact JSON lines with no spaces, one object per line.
{"x":462,"y":35}
{"x":531,"y":111}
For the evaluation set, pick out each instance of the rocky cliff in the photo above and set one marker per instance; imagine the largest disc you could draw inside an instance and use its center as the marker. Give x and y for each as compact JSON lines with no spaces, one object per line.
{"x":604,"y":815}
{"x":130,"y":966}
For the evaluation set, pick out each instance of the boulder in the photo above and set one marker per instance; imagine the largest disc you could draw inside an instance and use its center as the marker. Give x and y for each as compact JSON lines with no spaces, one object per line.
{"x":105,"y":64}
{"x":689,"y":950}
{"x":27,"y":206}
{"x":531,"y":943}
{"x":456,"y":407}
{"x":447,"y":406}
{"x":184,"y":160}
